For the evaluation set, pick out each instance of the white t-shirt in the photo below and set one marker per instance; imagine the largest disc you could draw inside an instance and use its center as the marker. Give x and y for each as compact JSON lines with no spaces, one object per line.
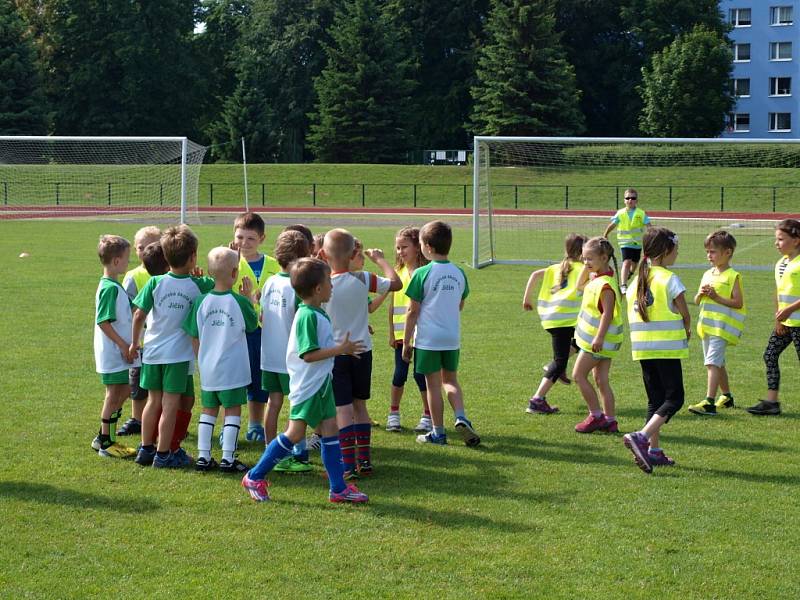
{"x":311,"y":330}
{"x":675,"y":288}
{"x":113,"y":305}
{"x":278,"y":306}
{"x":349,"y":304}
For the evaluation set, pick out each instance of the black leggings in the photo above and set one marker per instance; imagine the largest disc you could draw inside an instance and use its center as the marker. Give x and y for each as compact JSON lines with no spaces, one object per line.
{"x":775,"y":346}
{"x":663,"y":382}
{"x":401,"y":371}
{"x":563,"y":339}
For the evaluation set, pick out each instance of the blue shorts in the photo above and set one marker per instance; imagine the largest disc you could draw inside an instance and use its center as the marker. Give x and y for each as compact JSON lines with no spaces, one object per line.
{"x":254,"y":391}
{"x":352,"y":378}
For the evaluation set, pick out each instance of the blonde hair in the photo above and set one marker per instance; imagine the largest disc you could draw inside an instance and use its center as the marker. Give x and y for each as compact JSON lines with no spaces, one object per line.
{"x":602,"y":246}
{"x":339,"y":243}
{"x":410,"y":234}
{"x":221,"y":259}
{"x":110,"y":247}
{"x":150,"y":233}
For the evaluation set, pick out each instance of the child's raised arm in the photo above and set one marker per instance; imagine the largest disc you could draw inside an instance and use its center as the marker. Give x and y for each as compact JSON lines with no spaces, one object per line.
{"x":526,"y":297}
{"x":376,"y":256}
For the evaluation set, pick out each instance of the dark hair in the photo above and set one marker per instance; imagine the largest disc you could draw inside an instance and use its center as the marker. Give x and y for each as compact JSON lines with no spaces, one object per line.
{"x":290,"y":246}
{"x":178,"y":244}
{"x":154,"y":260}
{"x":306,"y":274}
{"x":790,"y":227}
{"x":720,"y":239}
{"x":438,"y":235}
{"x":573,"y":246}
{"x":304,"y":230}
{"x":412,"y":235}
{"x":656,"y":242}
{"x":251,"y":221}
{"x":110,"y":247}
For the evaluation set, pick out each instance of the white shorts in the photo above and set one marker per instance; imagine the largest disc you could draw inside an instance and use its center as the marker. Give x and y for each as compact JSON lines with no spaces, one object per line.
{"x":714,"y":350}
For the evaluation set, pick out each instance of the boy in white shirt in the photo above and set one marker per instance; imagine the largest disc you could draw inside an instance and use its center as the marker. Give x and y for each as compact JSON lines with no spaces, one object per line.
{"x":437,"y":292}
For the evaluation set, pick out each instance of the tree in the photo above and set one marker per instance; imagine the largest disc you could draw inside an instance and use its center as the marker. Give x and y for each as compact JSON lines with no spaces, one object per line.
{"x":362,"y":111}
{"x":686,"y":90}
{"x":525,"y":84}
{"x":22,"y":102}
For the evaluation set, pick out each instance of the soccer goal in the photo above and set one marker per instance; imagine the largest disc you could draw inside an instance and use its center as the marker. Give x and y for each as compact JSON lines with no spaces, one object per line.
{"x":139,"y":178}
{"x":529,"y":192}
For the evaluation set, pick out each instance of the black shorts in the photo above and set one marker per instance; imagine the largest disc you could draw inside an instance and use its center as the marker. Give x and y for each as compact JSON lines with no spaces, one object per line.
{"x":633,"y":254}
{"x":352,"y":378}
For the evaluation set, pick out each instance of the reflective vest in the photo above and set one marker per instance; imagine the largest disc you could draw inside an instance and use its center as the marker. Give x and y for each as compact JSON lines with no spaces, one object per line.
{"x":270,"y":268}
{"x":559,"y":302}
{"x":589,"y":318}
{"x":140,"y":277}
{"x":716,"y":319}
{"x":400,"y":304}
{"x":630,"y":230}
{"x":664,"y":335}
{"x":789,"y":289}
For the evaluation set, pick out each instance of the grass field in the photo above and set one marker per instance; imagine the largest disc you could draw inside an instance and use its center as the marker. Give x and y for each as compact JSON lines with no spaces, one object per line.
{"x":536,"y":511}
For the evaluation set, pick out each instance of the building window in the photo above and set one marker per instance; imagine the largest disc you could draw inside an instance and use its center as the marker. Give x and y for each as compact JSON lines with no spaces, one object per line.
{"x":780,"y":86}
{"x":739,"y":122}
{"x":780,"y":121}
{"x":740,"y":17}
{"x":780,"y":51}
{"x":741,"y":53}
{"x":781,"y":15}
{"x":741,"y":87}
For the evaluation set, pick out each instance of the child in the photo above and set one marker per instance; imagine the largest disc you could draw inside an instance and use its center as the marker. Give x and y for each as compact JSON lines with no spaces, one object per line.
{"x":278,"y":305}
{"x":787,"y":315}
{"x":112,"y":342}
{"x":218,"y":323}
{"x":437,"y":292}
{"x":598,"y":333}
{"x":318,"y":241}
{"x":558,"y":304}
{"x":660,"y":329}
{"x":349,"y":313}
{"x":248,"y":235}
{"x":167,"y":355}
{"x":721,"y":319}
{"x":408,"y":258}
{"x":309,"y":360}
{"x":299,"y":227}
{"x":133,"y":282}
{"x":632,"y":222}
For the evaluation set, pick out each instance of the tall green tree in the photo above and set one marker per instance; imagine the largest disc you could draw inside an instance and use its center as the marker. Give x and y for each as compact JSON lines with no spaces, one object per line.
{"x":362,"y":111}
{"x":686,"y":90}
{"x":525,"y":84}
{"x":22,"y":102}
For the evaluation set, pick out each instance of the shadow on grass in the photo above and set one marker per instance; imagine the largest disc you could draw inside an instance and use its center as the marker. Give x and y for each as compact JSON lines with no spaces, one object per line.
{"x":569,"y":452}
{"x":750,"y":477}
{"x":712,"y":442}
{"x":49,"y":494}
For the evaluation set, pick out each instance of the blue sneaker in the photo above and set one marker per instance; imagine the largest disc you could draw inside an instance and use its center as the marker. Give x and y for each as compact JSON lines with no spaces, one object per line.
{"x":171,"y":461}
{"x":256,"y":434}
{"x":432,"y":438}
{"x":144,"y":457}
{"x":184,"y":458}
{"x":467,"y":433}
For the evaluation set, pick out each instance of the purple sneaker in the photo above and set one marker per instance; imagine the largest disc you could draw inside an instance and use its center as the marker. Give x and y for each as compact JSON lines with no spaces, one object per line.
{"x":540,"y":406}
{"x":657,"y":458}
{"x":637,"y":443}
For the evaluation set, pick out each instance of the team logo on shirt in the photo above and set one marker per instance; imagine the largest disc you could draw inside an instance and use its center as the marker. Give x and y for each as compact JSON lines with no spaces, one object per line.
{"x":447,"y":283}
{"x":218,"y":317}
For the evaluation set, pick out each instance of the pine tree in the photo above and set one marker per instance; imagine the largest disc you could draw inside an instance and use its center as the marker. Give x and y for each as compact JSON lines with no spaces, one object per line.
{"x":525,"y":84}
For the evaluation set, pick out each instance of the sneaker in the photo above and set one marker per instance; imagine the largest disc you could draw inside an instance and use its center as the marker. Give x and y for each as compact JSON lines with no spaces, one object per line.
{"x":349,"y":494}
{"x":659,"y":459}
{"x":610,"y":426}
{"x":623,"y":288}
{"x":204,"y":465}
{"x":145,"y":457}
{"x":432,"y":438}
{"x":704,"y":408}
{"x":314,"y":441}
{"x":255,"y":434}
{"x":464,"y":428}
{"x":96,"y":443}
{"x":185,"y":458}
{"x":116,"y":451}
{"x":540,"y":406}
{"x":393,"y":422}
{"x":765,"y":407}
{"x":424,"y":426}
{"x":293,"y":465}
{"x":256,"y":489}
{"x":350,"y":474}
{"x":638,"y":444}
{"x":590,"y":424}
{"x":130,"y":427}
{"x":374,"y":423}
{"x":364,"y":468}
{"x":282,"y":465}
{"x":171,"y":461}
{"x":724,"y":401}
{"x":232,"y":467}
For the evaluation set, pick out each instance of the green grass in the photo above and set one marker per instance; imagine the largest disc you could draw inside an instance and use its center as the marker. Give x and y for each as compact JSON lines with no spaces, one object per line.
{"x":536,"y":511}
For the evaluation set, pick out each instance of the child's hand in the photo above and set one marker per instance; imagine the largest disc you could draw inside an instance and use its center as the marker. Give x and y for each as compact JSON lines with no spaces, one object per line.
{"x":407,"y":350}
{"x":597,"y":343}
{"x":783,"y":314}
{"x":131,"y":352}
{"x":196,"y":272}
{"x":374,"y":254}
{"x":233,"y":246}
{"x":781,"y":329}
{"x":526,"y":305}
{"x":371,"y":330}
{"x":246,"y":289}
{"x":688,"y":333}
{"x":709,"y":291}
{"x":351,"y":347}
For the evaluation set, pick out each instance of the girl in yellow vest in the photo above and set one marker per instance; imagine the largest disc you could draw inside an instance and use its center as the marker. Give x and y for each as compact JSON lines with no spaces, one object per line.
{"x":557,"y":305}
{"x":787,"y":315}
{"x":660,"y":327}
{"x":408,"y":257}
{"x":721,"y":320}
{"x":598,"y":334}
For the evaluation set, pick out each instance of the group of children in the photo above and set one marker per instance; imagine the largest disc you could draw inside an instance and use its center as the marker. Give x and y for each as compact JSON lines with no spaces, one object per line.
{"x":262,"y":329}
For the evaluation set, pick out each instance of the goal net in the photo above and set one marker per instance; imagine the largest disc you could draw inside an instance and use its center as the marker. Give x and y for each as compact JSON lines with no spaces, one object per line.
{"x":100,"y":177}
{"x":530,"y":192}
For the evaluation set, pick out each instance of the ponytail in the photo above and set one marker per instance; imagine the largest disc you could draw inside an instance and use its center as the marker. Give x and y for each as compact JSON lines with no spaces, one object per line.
{"x":642,"y":288}
{"x":573,"y":246}
{"x":656,"y":242}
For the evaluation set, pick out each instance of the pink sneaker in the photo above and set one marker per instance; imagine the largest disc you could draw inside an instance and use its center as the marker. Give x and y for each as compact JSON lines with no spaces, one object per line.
{"x":590,"y":424}
{"x":657,"y":458}
{"x":639,"y":445}
{"x":256,"y":488}
{"x":610,"y":426}
{"x":349,"y":494}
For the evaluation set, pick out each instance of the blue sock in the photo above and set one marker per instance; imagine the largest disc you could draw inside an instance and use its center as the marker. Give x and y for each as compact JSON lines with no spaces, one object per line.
{"x":332,"y":459}
{"x":438,"y":431}
{"x":300,"y":451}
{"x":460,"y":414}
{"x":278,"y":449}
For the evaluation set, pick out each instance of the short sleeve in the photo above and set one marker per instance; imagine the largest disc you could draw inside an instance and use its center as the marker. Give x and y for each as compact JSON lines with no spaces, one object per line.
{"x":204,"y":284}
{"x":144,"y":299}
{"x":675,"y":287}
{"x":465,"y":293}
{"x":248,"y":312}
{"x":415,"y":289}
{"x":107,"y":304}
{"x":378,"y":285}
{"x":615,"y":218}
{"x":129,"y":285}
{"x":306,"y":332}
{"x":646,"y":219}
{"x":190,"y":322}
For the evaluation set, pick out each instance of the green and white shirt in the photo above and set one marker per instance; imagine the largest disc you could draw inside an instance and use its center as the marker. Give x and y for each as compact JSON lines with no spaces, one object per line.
{"x":278,"y":306}
{"x":439,"y":287}
{"x":311,"y":330}
{"x":167,"y":299}
{"x":219,"y":320}
{"x":111,"y":304}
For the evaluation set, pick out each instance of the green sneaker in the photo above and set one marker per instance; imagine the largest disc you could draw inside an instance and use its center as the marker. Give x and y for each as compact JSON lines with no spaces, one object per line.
{"x":283,"y":465}
{"x":292,"y":465}
{"x":724,"y":401}
{"x":705,"y":408}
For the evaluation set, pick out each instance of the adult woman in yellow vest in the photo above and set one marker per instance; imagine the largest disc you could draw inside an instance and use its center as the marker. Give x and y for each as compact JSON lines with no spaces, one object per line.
{"x":660,"y":327}
{"x":558,"y":303}
{"x":787,"y":315}
{"x":632,"y":222}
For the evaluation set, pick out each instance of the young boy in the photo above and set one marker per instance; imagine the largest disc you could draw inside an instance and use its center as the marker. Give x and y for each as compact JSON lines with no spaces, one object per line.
{"x":217,"y":323}
{"x":167,"y":355}
{"x":632,"y":222}
{"x":278,"y":306}
{"x":248,"y":235}
{"x":721,"y":320}
{"x":309,"y":360}
{"x":112,"y":354}
{"x":352,"y":375}
{"x":437,"y":292}
{"x":133,"y":281}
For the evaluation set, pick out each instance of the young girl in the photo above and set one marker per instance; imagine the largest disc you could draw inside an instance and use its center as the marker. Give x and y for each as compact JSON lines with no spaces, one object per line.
{"x":787,"y":316}
{"x":660,"y":329}
{"x":598,"y":334}
{"x":408,"y":257}
{"x":557,"y":305}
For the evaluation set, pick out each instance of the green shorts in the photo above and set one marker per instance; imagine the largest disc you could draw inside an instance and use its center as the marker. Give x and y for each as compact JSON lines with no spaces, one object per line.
{"x":224,"y":398}
{"x":172,"y":378}
{"x":114,"y":378}
{"x":317,"y":408}
{"x":431,"y":361}
{"x":275,"y":382}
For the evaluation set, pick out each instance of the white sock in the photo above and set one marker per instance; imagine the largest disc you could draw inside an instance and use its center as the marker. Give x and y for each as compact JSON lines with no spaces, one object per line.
{"x":205,"y":431}
{"x":230,"y":435}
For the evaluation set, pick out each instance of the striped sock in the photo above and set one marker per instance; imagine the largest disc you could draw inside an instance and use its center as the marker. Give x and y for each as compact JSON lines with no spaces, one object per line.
{"x":363,"y":433}
{"x":332,"y":459}
{"x":278,"y":449}
{"x":347,"y":443}
{"x":205,"y":432}
{"x":230,"y":435}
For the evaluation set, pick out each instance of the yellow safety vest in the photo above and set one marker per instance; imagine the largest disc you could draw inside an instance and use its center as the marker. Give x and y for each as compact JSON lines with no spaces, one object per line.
{"x":630,"y":230}
{"x":140,"y":277}
{"x":559,"y":308}
{"x":270,"y":268}
{"x":789,"y":289}
{"x":400,"y":304}
{"x":664,"y":335}
{"x":589,"y":318}
{"x":716,"y":319}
